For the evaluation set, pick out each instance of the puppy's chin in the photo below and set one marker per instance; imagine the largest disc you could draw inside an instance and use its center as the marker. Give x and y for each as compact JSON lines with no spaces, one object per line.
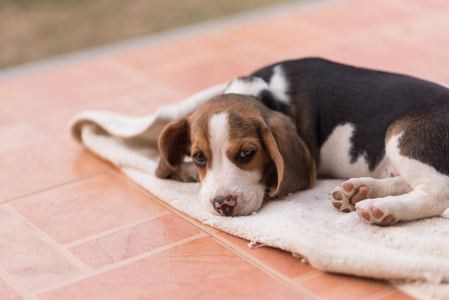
{"x":247,"y":200}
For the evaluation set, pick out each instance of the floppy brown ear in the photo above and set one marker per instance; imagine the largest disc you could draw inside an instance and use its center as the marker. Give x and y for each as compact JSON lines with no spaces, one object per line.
{"x":173,"y":143}
{"x":295,"y":167}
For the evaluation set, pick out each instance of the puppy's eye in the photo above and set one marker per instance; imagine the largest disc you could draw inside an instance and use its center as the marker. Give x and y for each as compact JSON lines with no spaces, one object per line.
{"x":245,"y":156}
{"x":199,"y":159}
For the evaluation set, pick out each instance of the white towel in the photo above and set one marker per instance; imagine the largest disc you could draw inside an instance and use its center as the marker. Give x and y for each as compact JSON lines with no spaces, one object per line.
{"x":413,"y":255}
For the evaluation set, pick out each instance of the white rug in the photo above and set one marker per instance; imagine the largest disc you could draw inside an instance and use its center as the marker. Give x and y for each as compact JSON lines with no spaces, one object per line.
{"x":413,"y":255}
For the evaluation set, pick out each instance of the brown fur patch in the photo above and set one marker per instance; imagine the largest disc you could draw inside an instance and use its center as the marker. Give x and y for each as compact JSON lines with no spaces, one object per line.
{"x":296,"y":168}
{"x":243,"y":133}
{"x":201,"y":143}
{"x":282,"y":156}
{"x":394,"y":129}
{"x":172,"y":144}
{"x":313,"y":175}
{"x":425,"y":136}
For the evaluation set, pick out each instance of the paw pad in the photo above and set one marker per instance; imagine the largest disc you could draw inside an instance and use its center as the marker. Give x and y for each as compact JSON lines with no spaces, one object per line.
{"x":348,"y":187}
{"x":364,"y":214}
{"x":373,"y":215}
{"x":337,"y":204}
{"x":387,"y":220}
{"x":377,"y":213}
{"x":337,"y":195}
{"x":346,"y":195}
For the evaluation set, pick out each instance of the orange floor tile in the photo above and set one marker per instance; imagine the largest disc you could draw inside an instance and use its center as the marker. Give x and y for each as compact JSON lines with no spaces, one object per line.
{"x":72,"y":226}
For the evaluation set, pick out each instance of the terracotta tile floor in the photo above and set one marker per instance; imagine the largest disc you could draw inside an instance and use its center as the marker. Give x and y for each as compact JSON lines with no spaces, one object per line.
{"x":71,"y":226}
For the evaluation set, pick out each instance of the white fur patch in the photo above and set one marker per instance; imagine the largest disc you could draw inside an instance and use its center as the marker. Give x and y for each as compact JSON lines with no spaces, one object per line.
{"x":335,"y":158}
{"x":279,"y":84}
{"x":219,"y":135}
{"x":429,"y":196}
{"x":224,"y":178}
{"x":247,"y":87}
{"x":415,"y":172}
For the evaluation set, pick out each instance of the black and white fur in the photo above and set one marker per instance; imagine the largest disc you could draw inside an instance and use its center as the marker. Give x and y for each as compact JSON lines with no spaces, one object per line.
{"x":369,"y":126}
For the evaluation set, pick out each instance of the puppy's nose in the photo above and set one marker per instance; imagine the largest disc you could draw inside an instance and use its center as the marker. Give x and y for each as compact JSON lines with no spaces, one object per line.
{"x":225,"y":205}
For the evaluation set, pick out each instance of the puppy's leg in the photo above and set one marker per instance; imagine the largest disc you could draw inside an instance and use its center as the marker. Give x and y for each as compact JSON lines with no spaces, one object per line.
{"x":415,"y":205}
{"x":430,"y":188}
{"x":354,"y":190}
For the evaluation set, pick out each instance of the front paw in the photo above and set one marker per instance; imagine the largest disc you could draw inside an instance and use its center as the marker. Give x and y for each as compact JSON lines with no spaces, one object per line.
{"x":345,"y":196}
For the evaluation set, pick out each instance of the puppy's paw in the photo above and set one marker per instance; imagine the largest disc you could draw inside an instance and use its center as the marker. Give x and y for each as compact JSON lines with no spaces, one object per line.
{"x":375,"y":212}
{"x":349,"y":193}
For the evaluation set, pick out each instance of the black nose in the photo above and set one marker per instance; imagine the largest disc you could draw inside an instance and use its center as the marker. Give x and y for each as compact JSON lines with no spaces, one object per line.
{"x":225,"y":205}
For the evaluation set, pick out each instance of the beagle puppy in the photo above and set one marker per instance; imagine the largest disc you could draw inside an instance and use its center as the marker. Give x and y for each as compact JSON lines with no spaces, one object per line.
{"x":269,"y":134}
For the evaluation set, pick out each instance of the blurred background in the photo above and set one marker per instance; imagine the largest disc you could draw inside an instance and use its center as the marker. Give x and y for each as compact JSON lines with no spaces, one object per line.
{"x":36,"y":29}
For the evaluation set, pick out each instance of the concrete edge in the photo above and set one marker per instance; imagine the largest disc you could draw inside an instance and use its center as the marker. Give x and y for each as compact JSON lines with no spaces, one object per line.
{"x":164,"y":36}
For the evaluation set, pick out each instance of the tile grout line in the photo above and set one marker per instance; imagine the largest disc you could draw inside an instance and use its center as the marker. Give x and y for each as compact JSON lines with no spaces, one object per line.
{"x":76,"y":262}
{"x":147,"y":194}
{"x":113,"y":230}
{"x":314,"y":274}
{"x":257,"y":261}
{"x":121,"y":263}
{"x":385,"y":292}
{"x":274,"y":274}
{"x":307,"y":276}
{"x":152,"y":252}
{"x":8,"y":201}
{"x":16,"y":286}
{"x":267,"y":270}
{"x":52,"y":137}
{"x":261,"y":263}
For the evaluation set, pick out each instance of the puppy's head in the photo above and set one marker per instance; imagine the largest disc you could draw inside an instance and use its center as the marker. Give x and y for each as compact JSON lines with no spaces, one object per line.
{"x":242,"y":151}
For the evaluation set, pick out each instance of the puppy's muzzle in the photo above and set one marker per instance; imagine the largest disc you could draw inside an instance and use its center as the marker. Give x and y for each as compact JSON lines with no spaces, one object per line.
{"x":225,"y":205}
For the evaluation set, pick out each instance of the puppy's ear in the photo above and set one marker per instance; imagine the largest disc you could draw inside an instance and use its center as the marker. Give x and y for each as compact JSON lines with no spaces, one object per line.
{"x":173,"y":144}
{"x":295,"y":167}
